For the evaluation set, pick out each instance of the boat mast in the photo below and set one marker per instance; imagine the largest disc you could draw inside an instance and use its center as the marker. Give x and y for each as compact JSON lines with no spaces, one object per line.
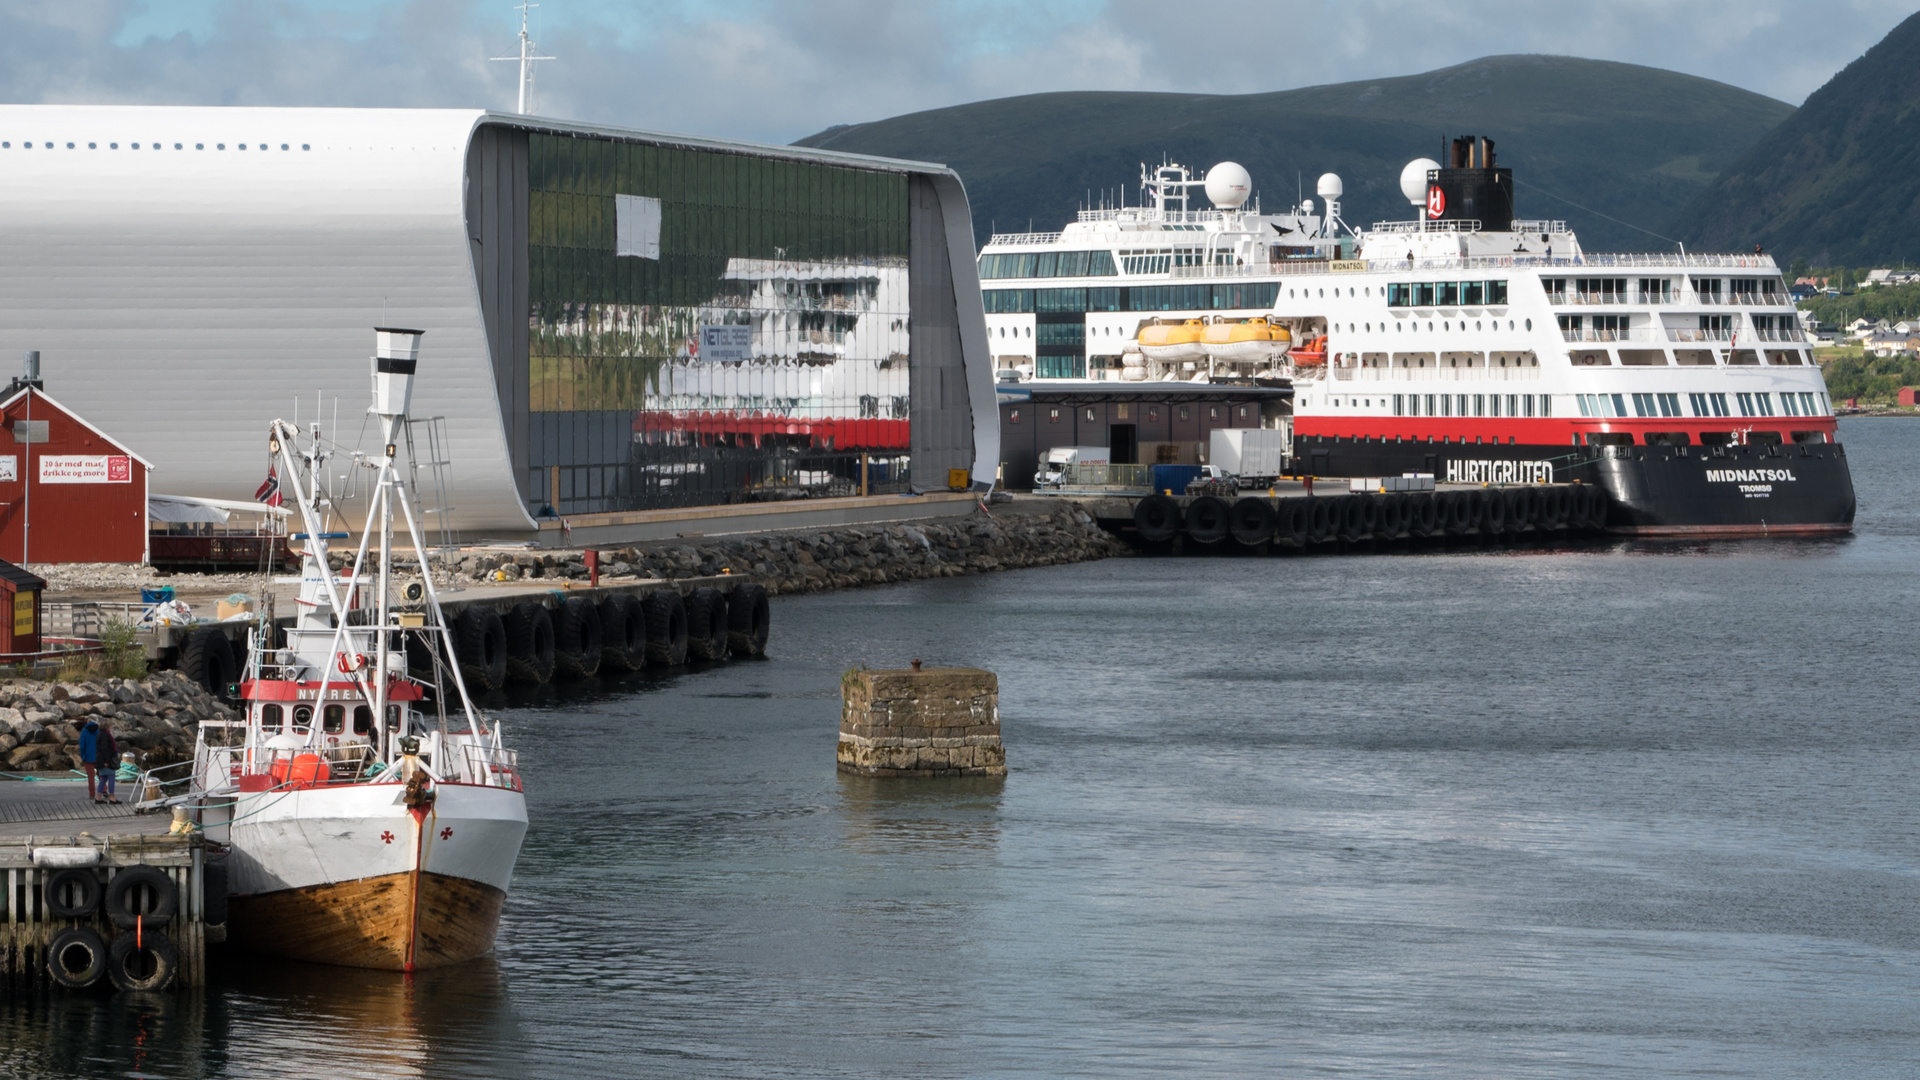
{"x":529,"y":52}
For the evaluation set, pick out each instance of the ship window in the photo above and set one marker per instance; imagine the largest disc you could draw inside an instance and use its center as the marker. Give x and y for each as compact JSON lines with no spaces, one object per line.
{"x":1049,"y":261}
{"x":1423,"y":295}
{"x":1763,"y":438}
{"x":1643,"y":405}
{"x":1809,"y":436}
{"x":1073,"y":263}
{"x":1719,"y":402}
{"x":1493,"y":404}
{"x":1808,"y":407}
{"x":1546,"y":405}
{"x":1609,"y":438}
{"x":1529,"y":324}
{"x":1763,"y":404}
{"x":1526,"y":400}
{"x":334,"y":719}
{"x":1789,"y":406}
{"x":272,"y":717}
{"x":1100,"y":264}
{"x":1473,"y":293}
{"x":302,"y":717}
{"x":1447,"y":293}
{"x":1399,"y":404}
{"x":1716,"y":438}
{"x":1668,"y":438}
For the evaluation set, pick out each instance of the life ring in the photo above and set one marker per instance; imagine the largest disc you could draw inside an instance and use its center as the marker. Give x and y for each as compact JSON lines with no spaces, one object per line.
{"x":350,"y":664}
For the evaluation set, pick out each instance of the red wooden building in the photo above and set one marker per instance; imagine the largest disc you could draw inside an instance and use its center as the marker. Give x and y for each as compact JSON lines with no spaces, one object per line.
{"x":1907,"y":397}
{"x":19,"y":611}
{"x":69,"y":492}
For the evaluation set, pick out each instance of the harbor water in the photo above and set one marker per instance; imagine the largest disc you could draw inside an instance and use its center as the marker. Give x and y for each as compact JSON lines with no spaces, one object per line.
{"x":1619,"y":807}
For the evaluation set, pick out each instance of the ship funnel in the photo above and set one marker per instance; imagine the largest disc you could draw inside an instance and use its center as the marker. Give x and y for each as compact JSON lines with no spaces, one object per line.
{"x":395,"y":354}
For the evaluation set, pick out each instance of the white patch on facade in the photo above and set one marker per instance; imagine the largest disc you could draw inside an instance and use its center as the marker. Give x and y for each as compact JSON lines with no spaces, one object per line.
{"x":637,"y":226}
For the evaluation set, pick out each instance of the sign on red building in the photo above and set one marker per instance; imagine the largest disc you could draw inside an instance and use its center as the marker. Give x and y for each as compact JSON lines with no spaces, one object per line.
{"x":69,"y":492}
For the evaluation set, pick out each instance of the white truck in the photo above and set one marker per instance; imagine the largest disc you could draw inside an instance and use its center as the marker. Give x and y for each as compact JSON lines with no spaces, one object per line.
{"x":1053,"y":466}
{"x":1258,"y":455}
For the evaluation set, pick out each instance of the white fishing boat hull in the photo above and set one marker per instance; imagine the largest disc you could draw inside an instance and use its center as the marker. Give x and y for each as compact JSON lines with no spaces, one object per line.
{"x":348,"y":874}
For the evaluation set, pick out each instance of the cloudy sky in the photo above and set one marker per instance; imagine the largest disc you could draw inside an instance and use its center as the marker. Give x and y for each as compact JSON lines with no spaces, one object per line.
{"x":775,"y":70}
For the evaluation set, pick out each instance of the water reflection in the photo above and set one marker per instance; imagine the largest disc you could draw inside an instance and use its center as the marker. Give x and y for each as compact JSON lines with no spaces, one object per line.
{"x":957,"y":818}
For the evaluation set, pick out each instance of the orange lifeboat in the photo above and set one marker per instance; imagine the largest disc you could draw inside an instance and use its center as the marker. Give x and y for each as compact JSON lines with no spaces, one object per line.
{"x":1312,"y":354}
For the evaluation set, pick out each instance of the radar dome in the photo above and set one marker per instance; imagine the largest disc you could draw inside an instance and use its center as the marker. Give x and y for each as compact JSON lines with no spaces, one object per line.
{"x":1413,"y":180}
{"x":1329,"y":187}
{"x":1228,"y":185}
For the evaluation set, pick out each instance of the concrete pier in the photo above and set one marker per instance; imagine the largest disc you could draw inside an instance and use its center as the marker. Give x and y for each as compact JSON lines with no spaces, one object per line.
{"x":931,"y":722}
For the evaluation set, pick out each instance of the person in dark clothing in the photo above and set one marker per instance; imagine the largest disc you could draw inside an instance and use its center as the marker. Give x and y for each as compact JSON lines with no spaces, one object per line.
{"x":106,"y":757}
{"x":90,"y":755}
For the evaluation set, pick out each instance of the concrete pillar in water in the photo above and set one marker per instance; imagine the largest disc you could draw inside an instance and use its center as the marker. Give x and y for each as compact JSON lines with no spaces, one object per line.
{"x":931,"y":722}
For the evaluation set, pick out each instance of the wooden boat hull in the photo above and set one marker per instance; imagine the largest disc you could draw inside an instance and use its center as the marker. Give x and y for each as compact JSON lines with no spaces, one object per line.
{"x":394,"y":922}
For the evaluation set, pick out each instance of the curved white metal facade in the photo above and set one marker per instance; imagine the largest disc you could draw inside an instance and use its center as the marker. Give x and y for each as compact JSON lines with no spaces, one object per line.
{"x":189,"y":273}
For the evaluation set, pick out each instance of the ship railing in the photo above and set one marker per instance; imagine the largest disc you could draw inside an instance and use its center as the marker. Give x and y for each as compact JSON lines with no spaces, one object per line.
{"x":1526,"y":225}
{"x":1464,"y":225}
{"x":1486,"y":262}
{"x":1785,"y":333}
{"x":488,"y":766}
{"x":1592,"y":333}
{"x":1688,"y":333}
{"x":1571,"y":297}
{"x":1024,"y":238}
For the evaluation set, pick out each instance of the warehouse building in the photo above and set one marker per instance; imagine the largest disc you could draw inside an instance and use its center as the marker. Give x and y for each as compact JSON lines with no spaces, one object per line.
{"x":615,"y":320}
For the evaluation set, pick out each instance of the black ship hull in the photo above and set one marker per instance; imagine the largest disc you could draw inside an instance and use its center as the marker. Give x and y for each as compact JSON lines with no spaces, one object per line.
{"x":1790,"y":490}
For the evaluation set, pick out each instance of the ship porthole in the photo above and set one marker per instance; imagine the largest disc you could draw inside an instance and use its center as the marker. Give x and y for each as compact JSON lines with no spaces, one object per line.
{"x":1529,"y":324}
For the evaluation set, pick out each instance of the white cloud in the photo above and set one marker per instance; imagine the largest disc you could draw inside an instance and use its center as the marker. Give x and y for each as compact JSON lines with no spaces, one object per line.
{"x":774,"y":71}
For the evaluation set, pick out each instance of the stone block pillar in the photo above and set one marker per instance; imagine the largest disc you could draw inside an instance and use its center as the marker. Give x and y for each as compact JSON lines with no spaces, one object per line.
{"x":932,"y":722}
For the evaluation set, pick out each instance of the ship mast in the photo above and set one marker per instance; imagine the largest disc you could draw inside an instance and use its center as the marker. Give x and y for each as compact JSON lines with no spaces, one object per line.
{"x":529,"y":52}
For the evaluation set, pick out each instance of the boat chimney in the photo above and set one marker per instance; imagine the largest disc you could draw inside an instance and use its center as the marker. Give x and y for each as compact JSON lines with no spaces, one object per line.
{"x":396,"y":353}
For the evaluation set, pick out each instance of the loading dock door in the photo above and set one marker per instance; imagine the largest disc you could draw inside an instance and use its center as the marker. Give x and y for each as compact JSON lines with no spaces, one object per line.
{"x":1123,"y":446}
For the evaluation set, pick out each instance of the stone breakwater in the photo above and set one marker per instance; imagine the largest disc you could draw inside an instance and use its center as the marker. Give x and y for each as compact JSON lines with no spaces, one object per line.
{"x":834,"y":558}
{"x":154,"y":717}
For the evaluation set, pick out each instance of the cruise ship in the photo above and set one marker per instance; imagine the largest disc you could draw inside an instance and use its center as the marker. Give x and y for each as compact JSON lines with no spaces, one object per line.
{"x":1466,"y":343}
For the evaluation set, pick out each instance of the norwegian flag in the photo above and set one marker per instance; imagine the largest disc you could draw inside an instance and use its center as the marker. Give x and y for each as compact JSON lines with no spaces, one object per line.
{"x":269,"y":492}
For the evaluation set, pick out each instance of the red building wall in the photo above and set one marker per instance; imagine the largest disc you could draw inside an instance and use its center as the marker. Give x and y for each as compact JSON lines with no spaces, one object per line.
{"x":1907,"y":396}
{"x":100,"y":518}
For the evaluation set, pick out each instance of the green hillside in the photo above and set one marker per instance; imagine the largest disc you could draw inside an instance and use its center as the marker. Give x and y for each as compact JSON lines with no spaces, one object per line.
{"x":1631,"y":142}
{"x":1838,"y":181}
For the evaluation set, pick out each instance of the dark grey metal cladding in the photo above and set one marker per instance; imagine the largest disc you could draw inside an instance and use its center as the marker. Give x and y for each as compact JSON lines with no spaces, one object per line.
{"x":942,"y":419}
{"x":497,"y":202}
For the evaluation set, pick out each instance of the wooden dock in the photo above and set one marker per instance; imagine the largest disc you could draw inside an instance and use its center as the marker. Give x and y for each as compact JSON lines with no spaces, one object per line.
{"x":31,"y":925}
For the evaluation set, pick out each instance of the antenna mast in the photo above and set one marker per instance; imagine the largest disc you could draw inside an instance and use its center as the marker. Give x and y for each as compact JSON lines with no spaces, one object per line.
{"x":529,"y":52}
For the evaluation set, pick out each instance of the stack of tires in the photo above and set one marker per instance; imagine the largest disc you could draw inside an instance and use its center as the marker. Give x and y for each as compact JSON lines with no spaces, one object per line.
{"x":138,"y":901}
{"x":621,"y":633}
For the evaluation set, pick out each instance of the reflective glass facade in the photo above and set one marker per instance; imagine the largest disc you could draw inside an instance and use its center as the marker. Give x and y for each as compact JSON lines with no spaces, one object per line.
{"x":709,"y":327}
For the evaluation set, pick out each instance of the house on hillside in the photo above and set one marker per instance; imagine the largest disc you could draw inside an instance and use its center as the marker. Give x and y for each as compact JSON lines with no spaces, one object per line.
{"x":1906,"y":397}
{"x":1863,"y":328}
{"x":1876,"y":278}
{"x":1891,"y":344}
{"x":1802,"y":291}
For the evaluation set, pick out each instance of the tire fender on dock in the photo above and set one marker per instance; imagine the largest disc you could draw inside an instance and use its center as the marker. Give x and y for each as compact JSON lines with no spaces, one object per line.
{"x":577,"y":638}
{"x":1251,"y":521}
{"x":666,"y":628}
{"x":1158,"y":519}
{"x":623,"y":634}
{"x":749,"y":618}
{"x":480,"y":645}
{"x":707,"y":624}
{"x":1207,"y":520}
{"x":530,"y":643}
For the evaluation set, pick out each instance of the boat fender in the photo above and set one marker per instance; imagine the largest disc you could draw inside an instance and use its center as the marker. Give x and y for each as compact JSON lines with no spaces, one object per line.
{"x":1158,"y":518}
{"x":77,"y":958}
{"x":143,"y":960}
{"x":130,"y":887}
{"x":79,"y":883}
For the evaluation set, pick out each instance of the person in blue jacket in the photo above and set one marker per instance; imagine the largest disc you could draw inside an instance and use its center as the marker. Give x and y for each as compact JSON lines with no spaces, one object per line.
{"x":90,"y":756}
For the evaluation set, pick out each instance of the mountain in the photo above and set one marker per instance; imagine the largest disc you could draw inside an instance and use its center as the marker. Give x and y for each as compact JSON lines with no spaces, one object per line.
{"x":1629,"y":142}
{"x":1838,"y":183}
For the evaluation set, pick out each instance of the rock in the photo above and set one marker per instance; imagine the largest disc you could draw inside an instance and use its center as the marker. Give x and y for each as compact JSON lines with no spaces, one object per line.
{"x":42,"y":717}
{"x":24,"y":757}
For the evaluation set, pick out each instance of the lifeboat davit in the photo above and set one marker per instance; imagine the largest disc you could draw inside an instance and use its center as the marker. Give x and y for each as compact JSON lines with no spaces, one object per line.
{"x":1164,"y":341}
{"x":1312,"y":354}
{"x":1251,"y":339}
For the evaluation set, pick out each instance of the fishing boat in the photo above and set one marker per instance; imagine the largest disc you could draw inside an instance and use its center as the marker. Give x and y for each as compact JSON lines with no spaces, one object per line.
{"x":373,"y":812}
